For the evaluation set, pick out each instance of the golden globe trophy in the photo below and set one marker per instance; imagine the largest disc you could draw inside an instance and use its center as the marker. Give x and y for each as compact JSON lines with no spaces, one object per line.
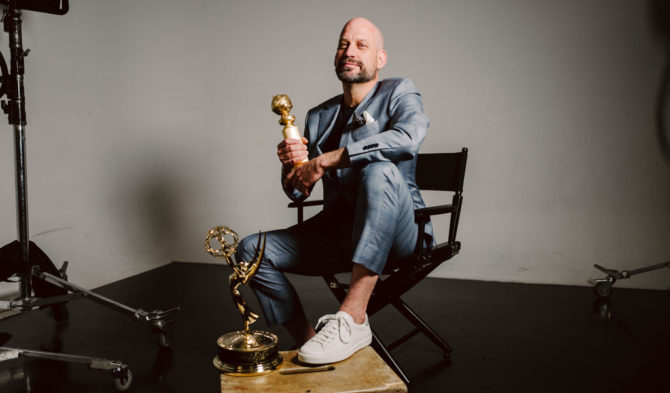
{"x":282,"y":105}
{"x":243,"y":352}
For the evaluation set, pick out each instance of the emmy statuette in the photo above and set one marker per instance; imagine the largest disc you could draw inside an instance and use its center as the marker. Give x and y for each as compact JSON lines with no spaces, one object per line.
{"x":244,"y":352}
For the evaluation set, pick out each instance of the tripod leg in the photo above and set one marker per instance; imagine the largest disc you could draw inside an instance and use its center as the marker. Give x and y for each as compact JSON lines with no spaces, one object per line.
{"x":157,"y":319}
{"x":120,"y":371}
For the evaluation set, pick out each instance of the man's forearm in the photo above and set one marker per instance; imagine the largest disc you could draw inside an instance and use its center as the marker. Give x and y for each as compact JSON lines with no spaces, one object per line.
{"x":334,"y":159}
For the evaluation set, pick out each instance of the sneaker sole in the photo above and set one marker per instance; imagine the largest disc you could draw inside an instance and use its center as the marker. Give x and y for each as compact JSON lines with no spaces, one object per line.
{"x":334,"y":357}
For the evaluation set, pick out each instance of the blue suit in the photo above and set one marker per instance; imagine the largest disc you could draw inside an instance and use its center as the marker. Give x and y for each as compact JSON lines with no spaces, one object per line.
{"x":368,"y":214}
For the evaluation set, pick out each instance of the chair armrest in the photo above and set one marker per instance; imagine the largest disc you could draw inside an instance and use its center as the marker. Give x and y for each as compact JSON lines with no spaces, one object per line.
{"x":307,"y":203}
{"x":423,"y":214}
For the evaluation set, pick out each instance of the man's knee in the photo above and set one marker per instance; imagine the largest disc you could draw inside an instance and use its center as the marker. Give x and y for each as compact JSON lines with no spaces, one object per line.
{"x":377,"y":174}
{"x":246,"y":249}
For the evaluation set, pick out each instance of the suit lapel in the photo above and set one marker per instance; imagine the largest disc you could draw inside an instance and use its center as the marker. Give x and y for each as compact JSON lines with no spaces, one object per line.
{"x":326,"y":124}
{"x":366,"y":101}
{"x":329,"y":114}
{"x":359,"y":110}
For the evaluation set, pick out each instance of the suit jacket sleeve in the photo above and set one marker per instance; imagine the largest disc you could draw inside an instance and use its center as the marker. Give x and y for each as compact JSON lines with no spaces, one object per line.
{"x":404,"y":134}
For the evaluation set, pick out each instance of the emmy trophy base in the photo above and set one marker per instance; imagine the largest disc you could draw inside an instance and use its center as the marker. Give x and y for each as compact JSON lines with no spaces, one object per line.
{"x":365,"y":371}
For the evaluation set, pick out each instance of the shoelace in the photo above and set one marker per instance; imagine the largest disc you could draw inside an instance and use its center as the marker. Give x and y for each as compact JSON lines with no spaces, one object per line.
{"x":332,"y":328}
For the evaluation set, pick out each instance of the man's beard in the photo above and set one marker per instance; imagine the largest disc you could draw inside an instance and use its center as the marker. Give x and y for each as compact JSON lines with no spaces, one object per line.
{"x":360,"y":77}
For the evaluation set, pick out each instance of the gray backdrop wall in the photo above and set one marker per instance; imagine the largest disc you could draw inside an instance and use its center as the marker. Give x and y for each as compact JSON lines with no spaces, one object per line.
{"x":149,"y":122}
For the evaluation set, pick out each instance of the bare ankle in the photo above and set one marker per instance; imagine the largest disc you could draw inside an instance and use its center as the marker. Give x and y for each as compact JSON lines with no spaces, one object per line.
{"x":358,"y":316}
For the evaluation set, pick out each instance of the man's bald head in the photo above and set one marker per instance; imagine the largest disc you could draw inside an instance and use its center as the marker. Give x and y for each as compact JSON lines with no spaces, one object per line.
{"x":360,"y":52}
{"x":363,"y":23}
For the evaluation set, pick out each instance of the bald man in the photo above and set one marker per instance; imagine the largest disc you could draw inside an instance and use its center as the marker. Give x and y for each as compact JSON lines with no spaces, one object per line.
{"x":363,"y":145}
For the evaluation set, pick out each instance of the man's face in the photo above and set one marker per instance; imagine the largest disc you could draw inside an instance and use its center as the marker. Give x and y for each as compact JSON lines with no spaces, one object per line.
{"x":356,"y":59}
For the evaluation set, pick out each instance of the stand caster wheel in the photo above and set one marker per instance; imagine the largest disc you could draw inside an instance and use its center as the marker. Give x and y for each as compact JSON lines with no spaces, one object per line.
{"x":603,"y":289}
{"x":123,"y":379}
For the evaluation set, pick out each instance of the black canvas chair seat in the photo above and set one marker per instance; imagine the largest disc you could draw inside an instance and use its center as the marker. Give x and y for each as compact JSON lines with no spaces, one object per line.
{"x":436,"y":172}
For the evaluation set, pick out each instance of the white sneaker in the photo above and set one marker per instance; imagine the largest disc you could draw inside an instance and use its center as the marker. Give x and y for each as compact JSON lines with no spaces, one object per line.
{"x":337,"y":338}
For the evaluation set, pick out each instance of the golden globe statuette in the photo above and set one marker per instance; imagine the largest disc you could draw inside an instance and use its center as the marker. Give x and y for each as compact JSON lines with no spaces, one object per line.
{"x":243,"y":352}
{"x":282,"y":105}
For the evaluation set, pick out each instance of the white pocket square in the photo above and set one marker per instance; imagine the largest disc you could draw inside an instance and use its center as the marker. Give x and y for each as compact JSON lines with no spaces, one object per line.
{"x":368,"y":118}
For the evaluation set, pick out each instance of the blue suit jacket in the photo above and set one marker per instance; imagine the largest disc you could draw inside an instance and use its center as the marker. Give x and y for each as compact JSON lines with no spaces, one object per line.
{"x":396,"y":135}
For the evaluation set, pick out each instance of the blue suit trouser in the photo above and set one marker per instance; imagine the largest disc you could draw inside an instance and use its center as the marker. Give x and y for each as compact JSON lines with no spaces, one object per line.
{"x":379,"y":227}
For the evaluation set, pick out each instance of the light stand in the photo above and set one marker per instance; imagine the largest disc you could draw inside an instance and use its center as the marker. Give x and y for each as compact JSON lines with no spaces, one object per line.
{"x":14,"y":107}
{"x":16,"y":110}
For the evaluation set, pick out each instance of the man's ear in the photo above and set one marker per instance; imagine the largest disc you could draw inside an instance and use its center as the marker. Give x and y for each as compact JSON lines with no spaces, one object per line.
{"x":381,"y":59}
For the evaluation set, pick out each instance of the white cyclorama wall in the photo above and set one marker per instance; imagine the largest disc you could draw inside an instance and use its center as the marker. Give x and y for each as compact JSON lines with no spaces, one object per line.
{"x":149,"y":122}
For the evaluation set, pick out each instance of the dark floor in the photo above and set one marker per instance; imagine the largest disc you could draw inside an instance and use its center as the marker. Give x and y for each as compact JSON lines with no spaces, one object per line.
{"x":506,"y":337}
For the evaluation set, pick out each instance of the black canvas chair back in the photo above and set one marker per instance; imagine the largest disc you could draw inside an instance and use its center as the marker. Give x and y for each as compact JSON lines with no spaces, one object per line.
{"x":441,"y":171}
{"x":434,"y":172}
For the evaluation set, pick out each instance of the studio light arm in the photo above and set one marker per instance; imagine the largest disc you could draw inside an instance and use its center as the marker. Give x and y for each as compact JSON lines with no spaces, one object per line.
{"x":56,"y":7}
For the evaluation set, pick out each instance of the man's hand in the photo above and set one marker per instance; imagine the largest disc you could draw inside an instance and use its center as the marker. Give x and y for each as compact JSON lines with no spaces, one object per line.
{"x":305,"y":176}
{"x":292,"y":151}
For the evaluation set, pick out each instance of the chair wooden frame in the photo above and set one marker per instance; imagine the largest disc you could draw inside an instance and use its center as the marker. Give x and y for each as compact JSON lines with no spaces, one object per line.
{"x":436,"y":172}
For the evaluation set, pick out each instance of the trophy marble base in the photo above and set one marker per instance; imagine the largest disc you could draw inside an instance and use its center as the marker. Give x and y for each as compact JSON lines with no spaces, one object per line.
{"x":247,"y":354}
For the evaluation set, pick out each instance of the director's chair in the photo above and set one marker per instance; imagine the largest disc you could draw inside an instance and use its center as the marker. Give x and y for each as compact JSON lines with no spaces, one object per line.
{"x":435,"y":172}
